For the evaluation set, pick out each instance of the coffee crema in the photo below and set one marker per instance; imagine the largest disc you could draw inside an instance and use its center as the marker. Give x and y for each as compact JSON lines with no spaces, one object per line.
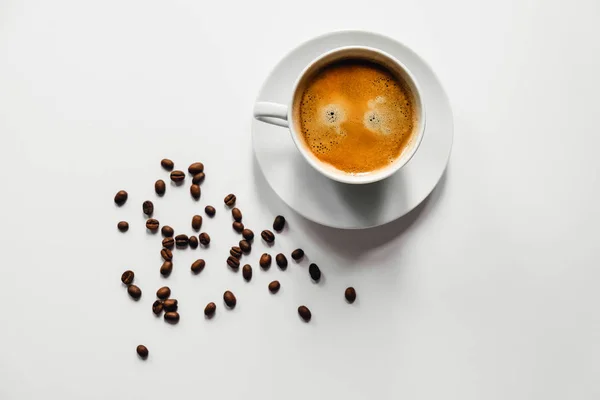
{"x":356,"y":116}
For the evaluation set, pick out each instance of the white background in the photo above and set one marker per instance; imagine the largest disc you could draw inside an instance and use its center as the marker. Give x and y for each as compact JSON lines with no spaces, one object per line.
{"x":490,"y":290}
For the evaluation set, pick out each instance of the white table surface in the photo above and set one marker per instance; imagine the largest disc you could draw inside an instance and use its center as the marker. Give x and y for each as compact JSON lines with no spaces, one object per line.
{"x":490,"y":290}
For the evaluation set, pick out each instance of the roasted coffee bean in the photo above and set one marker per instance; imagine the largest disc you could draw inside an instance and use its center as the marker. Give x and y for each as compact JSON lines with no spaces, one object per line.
{"x":195,"y":191}
{"x":230,"y":199}
{"x":204,"y":239}
{"x":229,"y":299}
{"x":236,"y":252}
{"x":152,"y":224}
{"x":236,"y":214}
{"x":304,"y":313}
{"x":281,"y":261}
{"x":167,"y":164}
{"x":172,"y":317}
{"x":196,"y":168}
{"x":247,"y":272}
{"x":182,"y":241}
{"x":142,"y":351}
{"x":196,"y":222}
{"x":167,"y":231}
{"x":177,"y":176}
{"x":315,"y":272}
{"x":163,"y":293}
{"x":170,"y":305}
{"x":193,"y":242}
{"x":166,"y":254}
{"x":160,"y":187}
{"x":168,"y":243}
{"x":166,"y":268}
{"x":210,"y":211}
{"x":279,"y":223}
{"x":267,"y":236}
{"x":123,"y":226}
{"x":233,"y":262}
{"x":274,"y":287}
{"x":127,"y":277}
{"x":297,"y":254}
{"x":198,"y":178}
{"x":157,"y":307}
{"x":210,"y":309}
{"x":245,"y":246}
{"x":265,"y":261}
{"x":148,"y":208}
{"x":121,"y":197}
{"x":198,"y":266}
{"x":238,"y":226}
{"x":248,"y":234}
{"x":134,"y":291}
{"x":350,"y":294}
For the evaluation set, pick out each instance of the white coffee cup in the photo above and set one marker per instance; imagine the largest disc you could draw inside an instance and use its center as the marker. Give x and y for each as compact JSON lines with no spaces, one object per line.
{"x":282,"y":115}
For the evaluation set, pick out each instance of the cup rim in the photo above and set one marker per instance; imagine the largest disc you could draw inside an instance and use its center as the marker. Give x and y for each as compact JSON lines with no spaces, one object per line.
{"x":332,"y":172}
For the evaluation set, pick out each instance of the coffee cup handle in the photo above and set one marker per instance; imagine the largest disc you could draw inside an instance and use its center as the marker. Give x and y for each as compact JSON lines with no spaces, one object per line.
{"x":271,"y":113}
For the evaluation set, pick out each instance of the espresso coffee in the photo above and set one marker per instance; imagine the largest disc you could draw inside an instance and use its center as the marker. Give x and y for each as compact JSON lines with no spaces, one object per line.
{"x":356,"y":116}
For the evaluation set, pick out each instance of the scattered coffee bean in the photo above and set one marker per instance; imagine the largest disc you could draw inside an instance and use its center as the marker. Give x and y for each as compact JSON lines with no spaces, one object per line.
{"x":248,"y":234}
{"x":123,"y":226}
{"x":160,"y":187}
{"x":198,"y":178}
{"x":229,"y":299}
{"x":267,"y":236}
{"x":236,"y":214}
{"x":233,"y":262}
{"x":163,"y":293}
{"x":196,"y":222}
{"x":142,"y":351}
{"x":177,"y":176}
{"x":245,"y":246}
{"x":157,"y":307}
{"x":196,"y":168}
{"x":152,"y":224}
{"x":274,"y":287}
{"x":168,"y":243}
{"x":148,"y":208}
{"x":281,"y":261}
{"x":172,"y":317}
{"x":279,"y":223}
{"x":350,"y":294}
{"x":304,"y":313}
{"x":236,"y":252}
{"x":204,"y":239}
{"x":170,"y":305}
{"x":238,"y":226}
{"x":195,"y":191}
{"x":134,"y":291}
{"x":198,"y":266}
{"x":210,"y":211}
{"x":193,"y":242}
{"x":182,"y":241}
{"x":265,"y":261}
{"x":297,"y":254}
{"x":166,"y":268}
{"x":247,"y":272}
{"x":167,"y":231}
{"x":121,"y":197}
{"x":315,"y":272}
{"x":230,"y":199}
{"x":210,"y":309}
{"x":167,"y":164}
{"x":166,"y":254}
{"x":127,"y":277}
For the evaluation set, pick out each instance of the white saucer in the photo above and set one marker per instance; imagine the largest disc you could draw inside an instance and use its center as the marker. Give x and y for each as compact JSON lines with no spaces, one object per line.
{"x":341,"y":205}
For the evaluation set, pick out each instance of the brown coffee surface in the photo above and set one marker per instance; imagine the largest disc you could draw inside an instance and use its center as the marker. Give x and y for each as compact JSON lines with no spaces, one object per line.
{"x":356,"y":116}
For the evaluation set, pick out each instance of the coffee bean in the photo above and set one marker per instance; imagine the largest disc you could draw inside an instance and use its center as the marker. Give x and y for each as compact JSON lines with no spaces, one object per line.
{"x":157,"y":307}
{"x":236,"y":214}
{"x":265,"y":261}
{"x":210,"y":309}
{"x":210,"y":211}
{"x":167,"y":231}
{"x":247,"y":272}
{"x":350,"y":294}
{"x":196,"y":222}
{"x":245,"y":246}
{"x":236,"y":252}
{"x":230,"y":199}
{"x":163,"y":293}
{"x":238,"y":226}
{"x":127,"y":277}
{"x":274,"y":287}
{"x":182,"y":241}
{"x":193,"y":242}
{"x":198,"y":178}
{"x":204,"y":239}
{"x":281,"y":261}
{"x":172,"y":317}
{"x":160,"y":187}
{"x":315,"y":272}
{"x":229,"y":299}
{"x":297,"y":254}
{"x":121,"y":197}
{"x":166,"y":268}
{"x":167,"y":164}
{"x":177,"y":176}
{"x":198,"y":266}
{"x":142,"y":351}
{"x":170,"y":305}
{"x":279,"y":223}
{"x":148,"y":208}
{"x":195,"y":191}
{"x":123,"y":226}
{"x":248,"y":234}
{"x":152,"y":224}
{"x":166,"y":254}
{"x":196,"y":168}
{"x":168,"y":243}
{"x":233,"y":262}
{"x":305,"y":313}
{"x":267,"y":236}
{"x":134,"y":291}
